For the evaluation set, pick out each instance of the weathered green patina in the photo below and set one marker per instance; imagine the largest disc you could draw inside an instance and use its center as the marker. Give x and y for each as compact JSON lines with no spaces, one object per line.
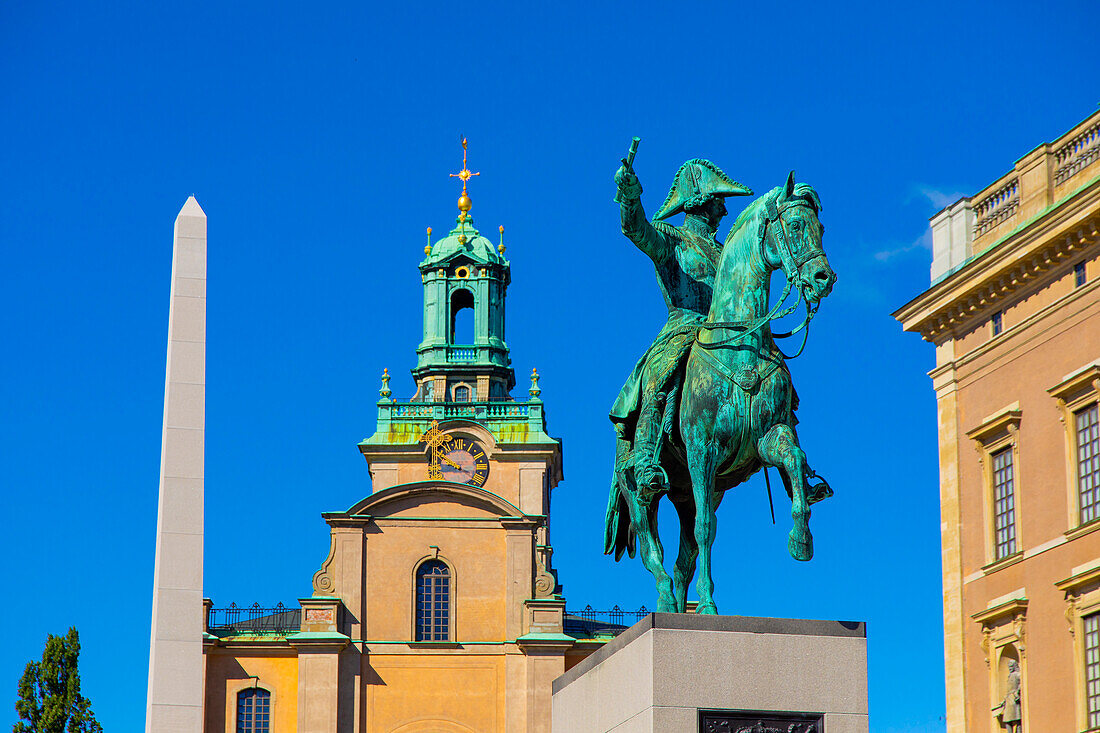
{"x":712,"y":402}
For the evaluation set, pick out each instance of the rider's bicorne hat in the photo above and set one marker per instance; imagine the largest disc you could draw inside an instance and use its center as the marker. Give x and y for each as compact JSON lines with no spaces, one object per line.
{"x":697,"y":179}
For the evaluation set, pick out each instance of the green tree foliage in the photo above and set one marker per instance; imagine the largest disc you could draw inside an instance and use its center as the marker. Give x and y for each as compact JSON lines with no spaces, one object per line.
{"x":49,"y":691}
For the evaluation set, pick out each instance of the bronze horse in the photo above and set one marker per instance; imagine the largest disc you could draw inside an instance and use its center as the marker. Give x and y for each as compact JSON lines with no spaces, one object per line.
{"x":737,"y":402}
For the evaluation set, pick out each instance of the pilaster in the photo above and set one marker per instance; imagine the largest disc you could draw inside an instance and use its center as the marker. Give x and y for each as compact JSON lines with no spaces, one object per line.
{"x":1035,"y":171}
{"x":954,"y":622}
{"x":319,"y":646}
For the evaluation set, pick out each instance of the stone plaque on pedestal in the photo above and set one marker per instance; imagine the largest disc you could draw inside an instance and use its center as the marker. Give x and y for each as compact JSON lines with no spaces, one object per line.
{"x":682,"y":673}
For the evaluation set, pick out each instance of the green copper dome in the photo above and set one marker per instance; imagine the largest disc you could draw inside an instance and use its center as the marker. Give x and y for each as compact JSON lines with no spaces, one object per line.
{"x":464,"y":239}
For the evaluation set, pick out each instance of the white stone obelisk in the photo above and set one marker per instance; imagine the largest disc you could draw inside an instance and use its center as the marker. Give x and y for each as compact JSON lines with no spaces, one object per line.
{"x":175,"y":701}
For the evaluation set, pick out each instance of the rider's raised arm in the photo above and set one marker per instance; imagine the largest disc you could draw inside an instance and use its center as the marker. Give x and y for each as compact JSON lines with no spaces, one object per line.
{"x":635,"y":225}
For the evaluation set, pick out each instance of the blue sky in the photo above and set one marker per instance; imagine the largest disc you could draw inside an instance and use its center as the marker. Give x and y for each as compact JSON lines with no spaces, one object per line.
{"x":319,"y":143}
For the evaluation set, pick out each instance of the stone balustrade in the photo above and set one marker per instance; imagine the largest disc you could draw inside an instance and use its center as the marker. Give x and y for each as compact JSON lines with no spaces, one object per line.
{"x":997,"y":207}
{"x":1039,"y":181}
{"x":1081,"y":151}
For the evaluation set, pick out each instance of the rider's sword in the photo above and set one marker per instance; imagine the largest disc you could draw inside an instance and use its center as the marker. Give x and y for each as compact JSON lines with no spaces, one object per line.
{"x":768,"y":483}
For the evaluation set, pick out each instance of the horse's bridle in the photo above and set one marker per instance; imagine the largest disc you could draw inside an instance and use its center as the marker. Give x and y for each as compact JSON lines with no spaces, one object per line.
{"x":773,"y":215}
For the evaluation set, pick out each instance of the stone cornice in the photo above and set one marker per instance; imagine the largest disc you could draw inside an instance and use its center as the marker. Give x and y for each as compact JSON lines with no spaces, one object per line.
{"x":1084,"y":380}
{"x":1007,"y":610}
{"x":1017,"y":261}
{"x":1003,"y":422}
{"x":318,"y":642}
{"x":1074,"y":583}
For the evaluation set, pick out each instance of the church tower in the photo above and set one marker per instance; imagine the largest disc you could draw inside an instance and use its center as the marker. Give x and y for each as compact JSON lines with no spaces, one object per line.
{"x":440,"y":579}
{"x":463,"y":357}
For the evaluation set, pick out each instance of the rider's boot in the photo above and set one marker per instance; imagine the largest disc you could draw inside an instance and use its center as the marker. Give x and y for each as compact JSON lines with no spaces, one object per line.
{"x":647,"y":471}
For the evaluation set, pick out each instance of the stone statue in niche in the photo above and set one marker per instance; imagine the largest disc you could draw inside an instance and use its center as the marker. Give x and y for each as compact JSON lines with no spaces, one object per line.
{"x":1009,"y":711}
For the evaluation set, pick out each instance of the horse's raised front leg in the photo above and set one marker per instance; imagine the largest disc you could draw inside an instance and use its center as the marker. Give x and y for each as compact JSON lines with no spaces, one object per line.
{"x":702,"y":460}
{"x":644,"y":519}
{"x":779,"y":448}
{"x":684,"y":570}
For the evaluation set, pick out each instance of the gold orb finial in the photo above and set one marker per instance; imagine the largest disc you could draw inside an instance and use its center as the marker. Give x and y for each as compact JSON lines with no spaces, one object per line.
{"x":428,"y":246}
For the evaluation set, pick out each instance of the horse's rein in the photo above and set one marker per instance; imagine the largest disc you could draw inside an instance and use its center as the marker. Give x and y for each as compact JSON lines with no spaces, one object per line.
{"x":774,"y":213}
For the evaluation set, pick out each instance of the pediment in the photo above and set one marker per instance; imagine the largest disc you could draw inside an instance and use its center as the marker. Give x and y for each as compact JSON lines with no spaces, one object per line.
{"x":442,"y":499}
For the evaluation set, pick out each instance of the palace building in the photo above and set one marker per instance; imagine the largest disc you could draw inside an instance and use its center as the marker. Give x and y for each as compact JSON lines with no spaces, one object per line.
{"x":437,"y":609}
{"x":1014,"y":312}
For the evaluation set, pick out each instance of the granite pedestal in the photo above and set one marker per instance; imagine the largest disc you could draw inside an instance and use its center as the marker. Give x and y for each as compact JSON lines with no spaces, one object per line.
{"x":670,"y":671}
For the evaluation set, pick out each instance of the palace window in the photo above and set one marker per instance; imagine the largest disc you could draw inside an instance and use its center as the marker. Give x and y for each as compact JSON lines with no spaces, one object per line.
{"x":1079,"y":274}
{"x":1076,"y":398}
{"x":433,"y":601}
{"x":996,"y":323}
{"x":1091,"y":626}
{"x":1088,"y":462}
{"x":997,"y":440}
{"x":253,"y":711}
{"x":462,"y":393}
{"x":1004,"y":504}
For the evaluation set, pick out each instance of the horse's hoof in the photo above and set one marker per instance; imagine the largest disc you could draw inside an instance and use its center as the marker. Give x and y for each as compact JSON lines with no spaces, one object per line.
{"x":801,"y":548}
{"x":707,"y":609}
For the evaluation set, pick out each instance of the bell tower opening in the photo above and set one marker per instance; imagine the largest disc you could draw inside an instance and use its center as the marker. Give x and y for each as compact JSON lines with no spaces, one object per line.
{"x":462,"y":317}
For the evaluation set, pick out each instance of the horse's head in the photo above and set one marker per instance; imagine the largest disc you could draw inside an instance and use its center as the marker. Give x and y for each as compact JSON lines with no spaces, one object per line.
{"x":792,"y":235}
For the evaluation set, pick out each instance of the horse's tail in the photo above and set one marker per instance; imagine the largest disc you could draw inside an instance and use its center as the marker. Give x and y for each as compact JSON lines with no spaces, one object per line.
{"x":618,"y":529}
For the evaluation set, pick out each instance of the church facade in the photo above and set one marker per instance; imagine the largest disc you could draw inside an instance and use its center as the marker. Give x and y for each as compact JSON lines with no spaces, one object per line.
{"x":437,"y":608}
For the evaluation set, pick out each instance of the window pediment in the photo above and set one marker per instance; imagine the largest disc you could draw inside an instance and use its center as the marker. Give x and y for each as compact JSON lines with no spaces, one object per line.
{"x":996,"y":426}
{"x":1079,"y":386}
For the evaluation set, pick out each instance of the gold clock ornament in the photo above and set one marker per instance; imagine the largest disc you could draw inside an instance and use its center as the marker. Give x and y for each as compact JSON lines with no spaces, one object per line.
{"x":452,"y":458}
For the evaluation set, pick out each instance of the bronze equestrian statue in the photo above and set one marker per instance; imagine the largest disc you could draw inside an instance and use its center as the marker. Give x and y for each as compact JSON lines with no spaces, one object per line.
{"x":711,"y":402}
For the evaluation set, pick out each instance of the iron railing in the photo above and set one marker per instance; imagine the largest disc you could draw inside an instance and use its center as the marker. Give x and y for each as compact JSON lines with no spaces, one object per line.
{"x":589,"y":620}
{"x":253,"y":620}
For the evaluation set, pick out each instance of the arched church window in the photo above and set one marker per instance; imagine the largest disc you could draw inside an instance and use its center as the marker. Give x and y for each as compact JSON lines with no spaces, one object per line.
{"x":433,"y":601}
{"x":462,"y":393}
{"x":253,"y":711}
{"x":462,"y":317}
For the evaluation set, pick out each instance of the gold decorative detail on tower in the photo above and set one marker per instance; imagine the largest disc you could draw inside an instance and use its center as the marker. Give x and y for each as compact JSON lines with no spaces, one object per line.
{"x":500,"y":247}
{"x":436,"y":440}
{"x":428,"y":246}
{"x":464,"y":204}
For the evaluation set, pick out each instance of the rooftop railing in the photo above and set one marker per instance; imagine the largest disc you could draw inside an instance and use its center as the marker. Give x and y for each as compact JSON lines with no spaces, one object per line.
{"x":489,"y":413}
{"x":591,"y":621}
{"x":1043,"y":177}
{"x":1078,"y":153}
{"x":253,"y":620}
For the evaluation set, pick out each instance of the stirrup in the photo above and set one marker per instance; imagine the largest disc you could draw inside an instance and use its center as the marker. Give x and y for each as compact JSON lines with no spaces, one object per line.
{"x":651,"y":475}
{"x":819,"y":491}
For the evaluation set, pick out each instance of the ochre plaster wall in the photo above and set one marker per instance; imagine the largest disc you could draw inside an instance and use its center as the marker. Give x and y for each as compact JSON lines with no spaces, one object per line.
{"x":477,"y":559}
{"x":227,"y":673}
{"x":442,"y":693}
{"x":1020,"y":367}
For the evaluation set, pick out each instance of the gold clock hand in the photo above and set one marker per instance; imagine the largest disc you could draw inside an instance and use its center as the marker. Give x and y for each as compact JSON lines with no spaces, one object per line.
{"x":448,"y":460}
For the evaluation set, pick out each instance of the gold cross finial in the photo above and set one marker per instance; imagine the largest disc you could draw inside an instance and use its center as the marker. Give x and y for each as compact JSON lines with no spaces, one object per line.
{"x":464,"y":175}
{"x":435,"y":440}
